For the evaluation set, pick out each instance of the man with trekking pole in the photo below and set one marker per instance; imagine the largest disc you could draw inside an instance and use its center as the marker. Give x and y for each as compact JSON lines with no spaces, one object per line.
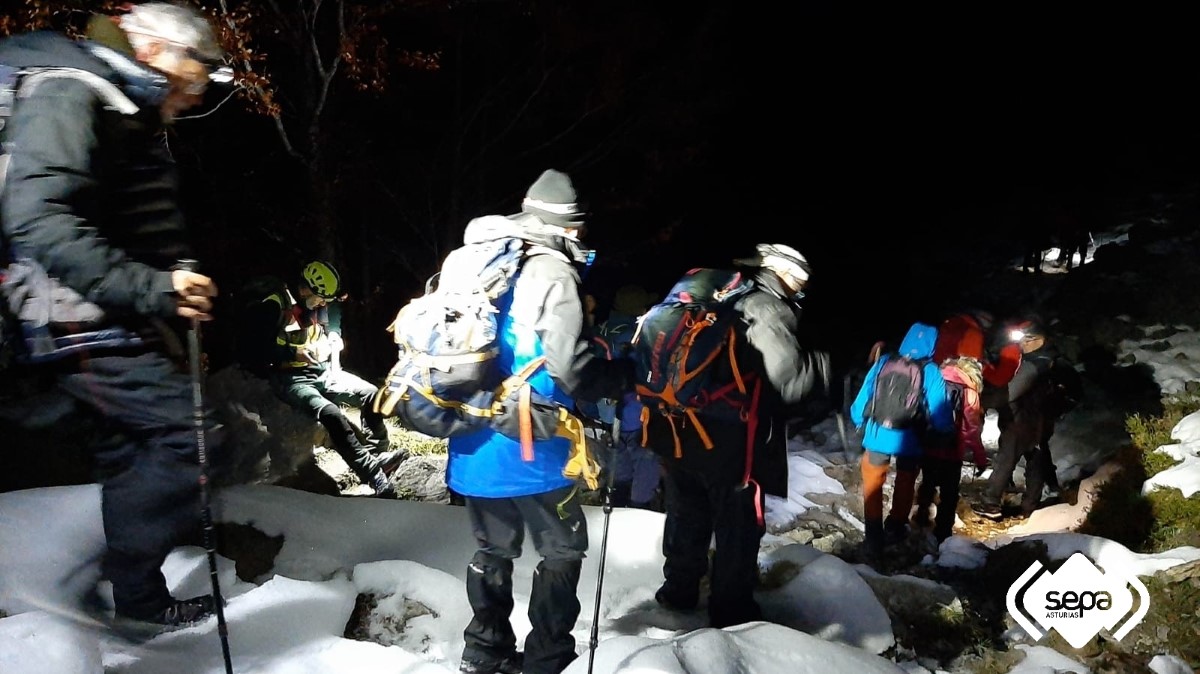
{"x":93,"y":240}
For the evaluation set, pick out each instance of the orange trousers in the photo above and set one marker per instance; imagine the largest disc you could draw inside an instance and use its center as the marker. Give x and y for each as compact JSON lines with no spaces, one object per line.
{"x":875,"y":467}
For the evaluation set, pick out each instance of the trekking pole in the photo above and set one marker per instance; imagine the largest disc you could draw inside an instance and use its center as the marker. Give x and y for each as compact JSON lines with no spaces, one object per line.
{"x":205,"y":495}
{"x":608,"y":507}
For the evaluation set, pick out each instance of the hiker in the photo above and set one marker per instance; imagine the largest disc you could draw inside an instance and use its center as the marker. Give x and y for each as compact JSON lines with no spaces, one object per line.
{"x":92,"y":225}
{"x":541,"y":315}
{"x":1035,"y":235}
{"x":716,"y":479}
{"x":1027,"y":426}
{"x":1071,"y":236}
{"x":292,"y":337}
{"x":636,"y":470}
{"x":942,"y":455}
{"x":974,"y":334}
{"x":885,"y":439}
{"x":970,"y":333}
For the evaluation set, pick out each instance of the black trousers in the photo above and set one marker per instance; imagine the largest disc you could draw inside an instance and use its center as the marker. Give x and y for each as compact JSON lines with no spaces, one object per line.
{"x":1018,"y":438}
{"x":940,"y":477}
{"x":556,"y":523}
{"x":1039,"y":469}
{"x":696,"y":510}
{"x":149,"y":469}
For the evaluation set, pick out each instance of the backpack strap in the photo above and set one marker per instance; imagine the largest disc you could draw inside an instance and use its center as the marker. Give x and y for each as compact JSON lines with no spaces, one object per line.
{"x":741,"y":382}
{"x":520,"y":381}
{"x":751,"y":433}
{"x":581,"y":464}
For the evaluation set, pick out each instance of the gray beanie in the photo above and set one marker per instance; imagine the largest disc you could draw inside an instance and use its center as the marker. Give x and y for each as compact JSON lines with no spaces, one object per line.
{"x":552,"y":198}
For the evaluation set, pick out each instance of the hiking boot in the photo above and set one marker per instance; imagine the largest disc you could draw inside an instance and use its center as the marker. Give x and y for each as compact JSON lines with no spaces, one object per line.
{"x":872,"y":549}
{"x":511,"y":664}
{"x":177,"y":614}
{"x":675,"y":599}
{"x":389,"y":461}
{"x":921,"y":520}
{"x":386,"y":493}
{"x":894,"y":532}
{"x":383,"y":486}
{"x":930,"y":543}
{"x":991,"y":511}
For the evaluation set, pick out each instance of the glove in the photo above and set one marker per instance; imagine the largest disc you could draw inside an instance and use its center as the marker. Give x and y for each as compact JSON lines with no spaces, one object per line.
{"x":821,"y":362}
{"x":336,"y":345}
{"x":320,"y":351}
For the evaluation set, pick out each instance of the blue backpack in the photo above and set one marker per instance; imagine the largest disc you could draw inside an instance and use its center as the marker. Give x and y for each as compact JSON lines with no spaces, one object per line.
{"x":445,"y":378}
{"x":446,"y":381}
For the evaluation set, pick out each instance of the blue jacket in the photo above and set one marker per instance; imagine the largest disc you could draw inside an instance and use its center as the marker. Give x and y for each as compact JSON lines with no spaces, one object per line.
{"x":541,"y":316}
{"x":917,"y":344}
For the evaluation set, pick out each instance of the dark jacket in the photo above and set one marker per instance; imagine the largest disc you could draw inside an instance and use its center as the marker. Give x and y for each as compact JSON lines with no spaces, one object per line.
{"x":541,"y":316}
{"x":90,"y":194}
{"x":768,"y":347}
{"x":265,"y":341}
{"x":1033,"y":375}
{"x":1028,"y":418}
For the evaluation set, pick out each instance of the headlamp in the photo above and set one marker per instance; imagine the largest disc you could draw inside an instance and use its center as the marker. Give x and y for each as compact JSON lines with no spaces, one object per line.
{"x":1016,"y":335}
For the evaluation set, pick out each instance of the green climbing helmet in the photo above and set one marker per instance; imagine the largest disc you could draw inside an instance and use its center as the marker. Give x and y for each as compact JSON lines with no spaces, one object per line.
{"x":322,"y":278}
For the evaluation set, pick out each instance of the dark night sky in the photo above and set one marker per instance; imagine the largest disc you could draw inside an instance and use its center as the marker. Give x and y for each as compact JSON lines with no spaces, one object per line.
{"x":876,"y":141}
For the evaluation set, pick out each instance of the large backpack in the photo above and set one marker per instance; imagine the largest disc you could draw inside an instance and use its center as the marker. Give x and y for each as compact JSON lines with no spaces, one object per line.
{"x":1065,"y":388}
{"x":446,"y":381}
{"x":446,"y":377}
{"x":681,"y":345}
{"x":898,"y":398}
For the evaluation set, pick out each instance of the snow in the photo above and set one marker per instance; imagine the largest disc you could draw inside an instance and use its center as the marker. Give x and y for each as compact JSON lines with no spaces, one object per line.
{"x":410,"y":559}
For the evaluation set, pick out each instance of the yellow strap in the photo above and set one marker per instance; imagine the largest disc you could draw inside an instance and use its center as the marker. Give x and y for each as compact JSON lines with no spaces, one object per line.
{"x":520,"y":378}
{"x":561,"y":506}
{"x":530,"y":367}
{"x":581,"y":465}
{"x":427,"y":393}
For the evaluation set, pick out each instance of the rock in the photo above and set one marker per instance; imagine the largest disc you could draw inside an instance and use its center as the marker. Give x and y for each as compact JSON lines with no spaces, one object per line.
{"x":1005,"y":564}
{"x":266,"y":439}
{"x":422,"y":478}
{"x":831,"y":543}
{"x":802,"y":536}
{"x":1182,"y":572}
{"x":1067,"y":516}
